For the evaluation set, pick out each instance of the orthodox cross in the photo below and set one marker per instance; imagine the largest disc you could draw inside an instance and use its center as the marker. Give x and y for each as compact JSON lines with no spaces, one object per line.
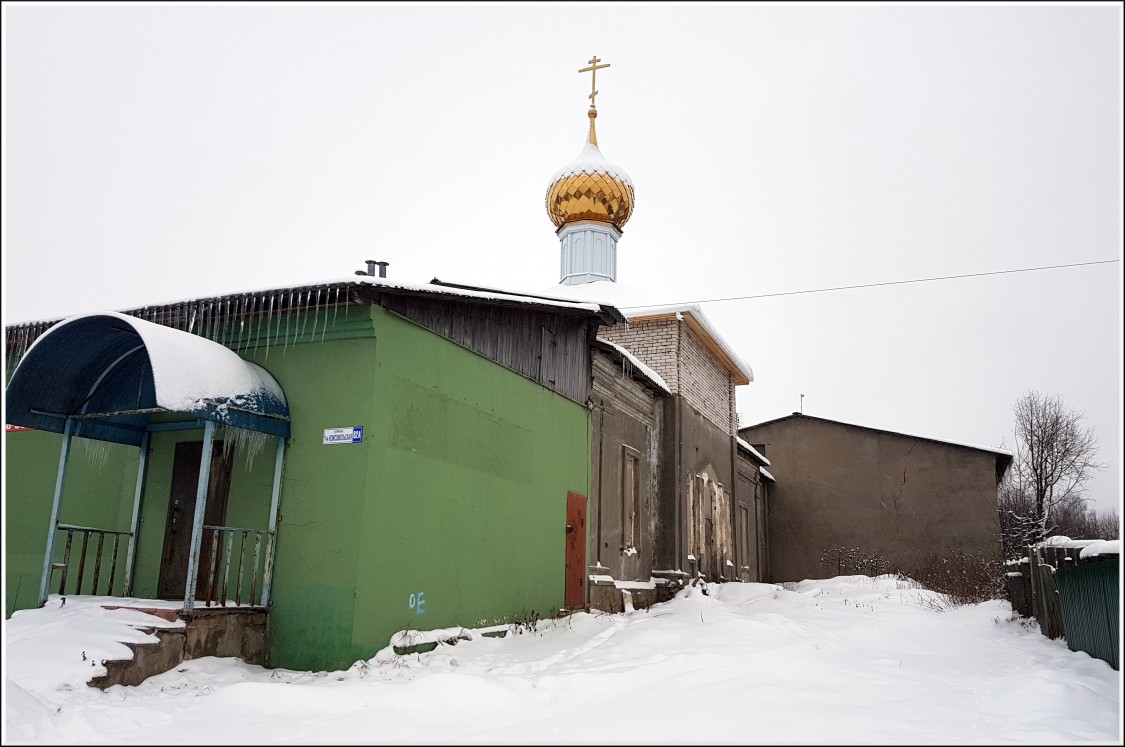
{"x":594,"y":68}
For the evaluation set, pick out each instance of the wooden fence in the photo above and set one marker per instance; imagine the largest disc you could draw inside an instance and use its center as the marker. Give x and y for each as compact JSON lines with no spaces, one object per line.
{"x":1071,"y":597}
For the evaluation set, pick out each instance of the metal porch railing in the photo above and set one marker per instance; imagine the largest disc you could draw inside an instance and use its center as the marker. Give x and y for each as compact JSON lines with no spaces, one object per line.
{"x":229,"y":548}
{"x":86,"y":533}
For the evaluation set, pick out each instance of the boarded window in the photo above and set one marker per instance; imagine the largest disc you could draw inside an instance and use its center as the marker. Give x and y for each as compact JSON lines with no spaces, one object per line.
{"x":630,"y":492}
{"x":743,"y":535}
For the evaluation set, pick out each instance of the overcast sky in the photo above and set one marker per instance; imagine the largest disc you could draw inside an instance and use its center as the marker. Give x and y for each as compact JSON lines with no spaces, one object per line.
{"x":164,"y":152}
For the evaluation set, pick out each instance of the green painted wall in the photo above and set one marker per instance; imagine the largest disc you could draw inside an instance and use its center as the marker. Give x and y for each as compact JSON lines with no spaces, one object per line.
{"x":451,"y":512}
{"x":455,"y":499}
{"x":98,"y":491}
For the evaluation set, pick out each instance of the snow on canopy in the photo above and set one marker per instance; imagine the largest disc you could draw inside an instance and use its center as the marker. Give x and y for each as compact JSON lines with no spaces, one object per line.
{"x":112,"y":363}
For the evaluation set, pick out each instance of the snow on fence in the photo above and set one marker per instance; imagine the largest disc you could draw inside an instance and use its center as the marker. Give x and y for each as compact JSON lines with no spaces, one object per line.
{"x":1071,"y":588}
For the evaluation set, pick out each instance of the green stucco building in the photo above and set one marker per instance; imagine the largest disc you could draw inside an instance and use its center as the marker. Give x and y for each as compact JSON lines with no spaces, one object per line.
{"x":430,"y":437}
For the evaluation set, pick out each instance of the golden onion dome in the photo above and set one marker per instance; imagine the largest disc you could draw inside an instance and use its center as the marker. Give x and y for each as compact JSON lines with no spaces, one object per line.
{"x":590,"y":188}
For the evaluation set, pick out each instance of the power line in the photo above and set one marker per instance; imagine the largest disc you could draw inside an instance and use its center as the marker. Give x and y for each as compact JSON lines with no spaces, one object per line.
{"x":876,"y":285}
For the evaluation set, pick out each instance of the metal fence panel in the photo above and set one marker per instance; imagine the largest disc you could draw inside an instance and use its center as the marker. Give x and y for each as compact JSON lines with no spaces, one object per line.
{"x":1089,"y":601}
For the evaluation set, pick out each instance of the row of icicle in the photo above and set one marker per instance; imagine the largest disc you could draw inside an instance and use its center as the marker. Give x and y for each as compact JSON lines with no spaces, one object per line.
{"x":234,"y":321}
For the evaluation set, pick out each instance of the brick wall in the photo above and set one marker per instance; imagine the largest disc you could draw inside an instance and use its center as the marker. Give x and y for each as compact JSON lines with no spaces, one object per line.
{"x":697,"y":376}
{"x":654,"y":342}
{"x":704,"y":383}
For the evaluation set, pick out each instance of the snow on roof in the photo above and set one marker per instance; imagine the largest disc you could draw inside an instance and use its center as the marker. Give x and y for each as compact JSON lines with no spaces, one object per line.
{"x":757,"y":454}
{"x":604,"y":291}
{"x":651,"y":375}
{"x":697,"y":314}
{"x":1001,"y":452}
{"x":448,"y":290}
{"x":766,"y":474}
{"x":591,"y":161}
{"x":1101,"y":547}
{"x":635,"y":303}
{"x":488,"y":295}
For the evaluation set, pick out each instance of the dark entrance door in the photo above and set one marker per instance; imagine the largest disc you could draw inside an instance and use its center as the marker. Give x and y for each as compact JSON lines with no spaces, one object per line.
{"x":575,"y":596}
{"x":181,"y":514}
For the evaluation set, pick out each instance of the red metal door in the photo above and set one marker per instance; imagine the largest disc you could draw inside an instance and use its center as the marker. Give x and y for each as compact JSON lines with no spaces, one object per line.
{"x":575,"y":596}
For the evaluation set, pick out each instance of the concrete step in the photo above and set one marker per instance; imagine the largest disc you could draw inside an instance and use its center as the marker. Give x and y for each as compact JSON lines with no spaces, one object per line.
{"x":239,"y":632}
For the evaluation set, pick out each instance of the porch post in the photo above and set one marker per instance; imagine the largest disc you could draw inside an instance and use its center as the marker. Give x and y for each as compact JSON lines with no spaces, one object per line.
{"x":267,"y":573}
{"x":200,"y":509}
{"x":127,"y":589}
{"x":68,"y":432}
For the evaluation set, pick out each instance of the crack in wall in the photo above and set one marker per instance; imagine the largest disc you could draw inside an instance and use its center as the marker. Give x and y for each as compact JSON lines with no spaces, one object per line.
{"x":902,"y":486}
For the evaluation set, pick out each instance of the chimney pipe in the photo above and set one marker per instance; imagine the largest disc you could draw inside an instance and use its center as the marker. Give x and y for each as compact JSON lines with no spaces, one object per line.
{"x":371,"y":264}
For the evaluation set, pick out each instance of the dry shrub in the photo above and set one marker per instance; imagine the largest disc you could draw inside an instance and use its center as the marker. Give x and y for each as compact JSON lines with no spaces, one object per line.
{"x":851,"y":561}
{"x":966,"y":578}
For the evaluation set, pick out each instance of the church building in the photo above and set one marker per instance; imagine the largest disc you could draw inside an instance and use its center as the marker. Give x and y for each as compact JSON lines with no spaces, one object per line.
{"x":302,"y":474}
{"x":664,"y":492}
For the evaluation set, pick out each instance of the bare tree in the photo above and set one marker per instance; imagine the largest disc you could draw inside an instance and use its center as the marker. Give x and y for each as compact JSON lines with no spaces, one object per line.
{"x":1054,"y":454}
{"x":1019,"y":525}
{"x":1107,"y":526}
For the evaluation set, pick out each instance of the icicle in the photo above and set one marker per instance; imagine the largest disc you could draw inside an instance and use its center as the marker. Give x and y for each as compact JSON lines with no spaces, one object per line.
{"x":220,"y":319}
{"x":241,"y":319}
{"x":96,"y":453}
{"x":212,"y":334}
{"x":277,"y":332}
{"x":288,"y":313}
{"x":258,"y":335}
{"x":316,"y":310}
{"x":269,"y":323}
{"x":242,"y":442}
{"x":251,"y":304}
{"x":336,"y":307}
{"x":250,"y":321}
{"x":227,"y":322}
{"x":304,"y":314}
{"x":324,"y":324}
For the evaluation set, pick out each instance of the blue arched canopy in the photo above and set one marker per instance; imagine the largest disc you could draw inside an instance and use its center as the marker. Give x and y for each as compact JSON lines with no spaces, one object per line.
{"x":111,"y":374}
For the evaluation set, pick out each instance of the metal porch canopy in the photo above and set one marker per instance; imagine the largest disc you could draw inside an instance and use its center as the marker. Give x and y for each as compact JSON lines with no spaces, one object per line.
{"x":111,"y":373}
{"x":106,"y":376}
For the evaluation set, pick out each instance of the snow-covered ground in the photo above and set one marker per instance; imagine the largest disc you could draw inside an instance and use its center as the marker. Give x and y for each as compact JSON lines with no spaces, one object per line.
{"x":850,"y":660}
